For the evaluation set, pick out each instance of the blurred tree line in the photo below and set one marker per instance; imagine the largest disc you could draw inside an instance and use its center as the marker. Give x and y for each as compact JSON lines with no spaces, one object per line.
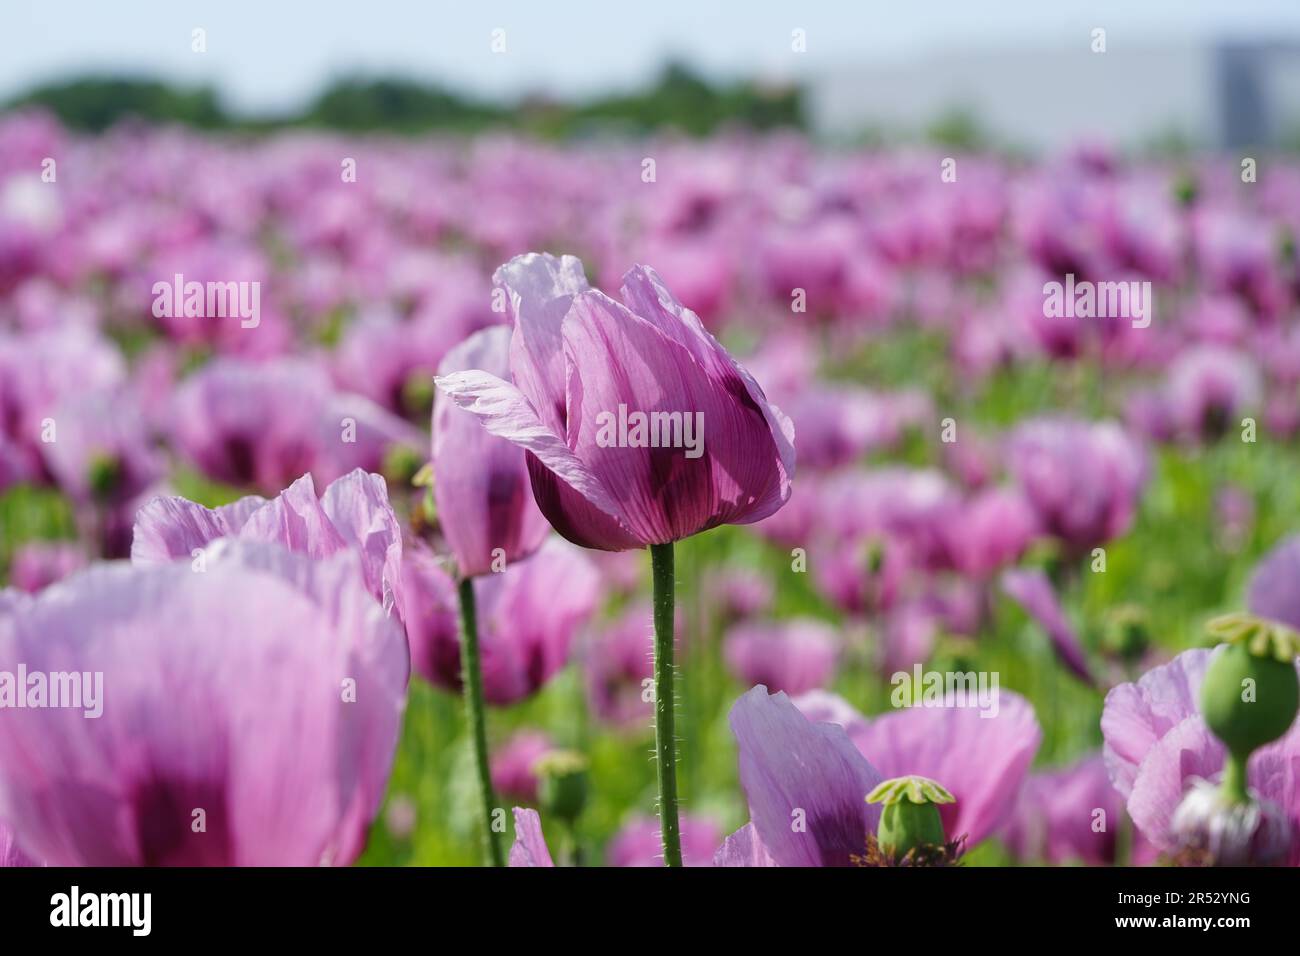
{"x":680,"y":99}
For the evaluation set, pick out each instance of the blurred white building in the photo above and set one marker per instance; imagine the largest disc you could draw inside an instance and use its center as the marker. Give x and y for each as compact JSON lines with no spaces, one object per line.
{"x":1217,"y":95}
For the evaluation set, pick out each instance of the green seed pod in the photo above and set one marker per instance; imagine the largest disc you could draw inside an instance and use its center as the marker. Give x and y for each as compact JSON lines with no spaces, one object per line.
{"x":1250,"y":694}
{"x":909,"y":819}
{"x":562,"y":784}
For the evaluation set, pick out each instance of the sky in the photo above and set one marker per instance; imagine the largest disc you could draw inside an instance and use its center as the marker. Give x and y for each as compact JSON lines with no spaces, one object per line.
{"x":271,"y":55}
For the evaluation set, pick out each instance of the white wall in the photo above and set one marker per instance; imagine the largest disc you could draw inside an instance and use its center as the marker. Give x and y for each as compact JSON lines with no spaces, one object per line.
{"x":1040,"y":99}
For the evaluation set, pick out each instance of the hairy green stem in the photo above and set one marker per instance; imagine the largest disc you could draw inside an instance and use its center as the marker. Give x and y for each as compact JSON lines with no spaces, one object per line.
{"x":661,"y":562}
{"x":476,"y":714}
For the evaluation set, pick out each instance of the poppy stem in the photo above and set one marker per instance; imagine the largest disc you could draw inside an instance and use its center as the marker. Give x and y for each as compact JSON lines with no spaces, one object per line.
{"x":1234,"y":785}
{"x":661,"y":563}
{"x":476,"y":714}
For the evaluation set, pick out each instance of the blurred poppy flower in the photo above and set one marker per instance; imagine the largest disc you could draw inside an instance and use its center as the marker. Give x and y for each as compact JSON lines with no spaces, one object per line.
{"x":271,"y":719}
{"x":481,"y":485}
{"x":528,"y":616}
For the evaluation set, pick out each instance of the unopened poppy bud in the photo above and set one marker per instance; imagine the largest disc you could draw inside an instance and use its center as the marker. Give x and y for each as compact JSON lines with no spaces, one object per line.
{"x":562,"y":783}
{"x":909,"y":819}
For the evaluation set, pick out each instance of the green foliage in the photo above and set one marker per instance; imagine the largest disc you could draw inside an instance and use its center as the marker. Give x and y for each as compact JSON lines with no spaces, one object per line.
{"x":402,"y":106}
{"x":958,"y":129}
{"x":680,"y":100}
{"x":28,"y":513}
{"x":94,"y":103}
{"x":211,"y":494}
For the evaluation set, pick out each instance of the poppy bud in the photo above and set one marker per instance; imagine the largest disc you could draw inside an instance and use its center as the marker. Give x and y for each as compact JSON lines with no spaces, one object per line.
{"x":562,"y":783}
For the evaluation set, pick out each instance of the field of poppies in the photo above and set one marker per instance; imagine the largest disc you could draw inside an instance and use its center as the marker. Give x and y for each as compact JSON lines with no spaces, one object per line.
{"x":732,"y":501}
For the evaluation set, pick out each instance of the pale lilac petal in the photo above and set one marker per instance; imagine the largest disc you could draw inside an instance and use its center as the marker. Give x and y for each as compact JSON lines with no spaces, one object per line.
{"x":1187,"y":750}
{"x":171,"y":527}
{"x":540,"y":288}
{"x":354,"y":512}
{"x":1156,"y":742}
{"x":11,"y":599}
{"x":1275,"y":775}
{"x":295,"y":520}
{"x":981,"y":760}
{"x":743,"y":848}
{"x":357,"y":507}
{"x":378,"y":668}
{"x":794,"y":771}
{"x":242,"y":727}
{"x":1136,"y":716}
{"x":530,"y":847}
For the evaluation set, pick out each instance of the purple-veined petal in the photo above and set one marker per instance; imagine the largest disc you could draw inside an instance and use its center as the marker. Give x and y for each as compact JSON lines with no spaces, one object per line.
{"x":646,"y":295}
{"x":172,"y":527}
{"x":181,"y":728}
{"x":505,"y":411}
{"x":806,"y":783}
{"x":618,"y":362}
